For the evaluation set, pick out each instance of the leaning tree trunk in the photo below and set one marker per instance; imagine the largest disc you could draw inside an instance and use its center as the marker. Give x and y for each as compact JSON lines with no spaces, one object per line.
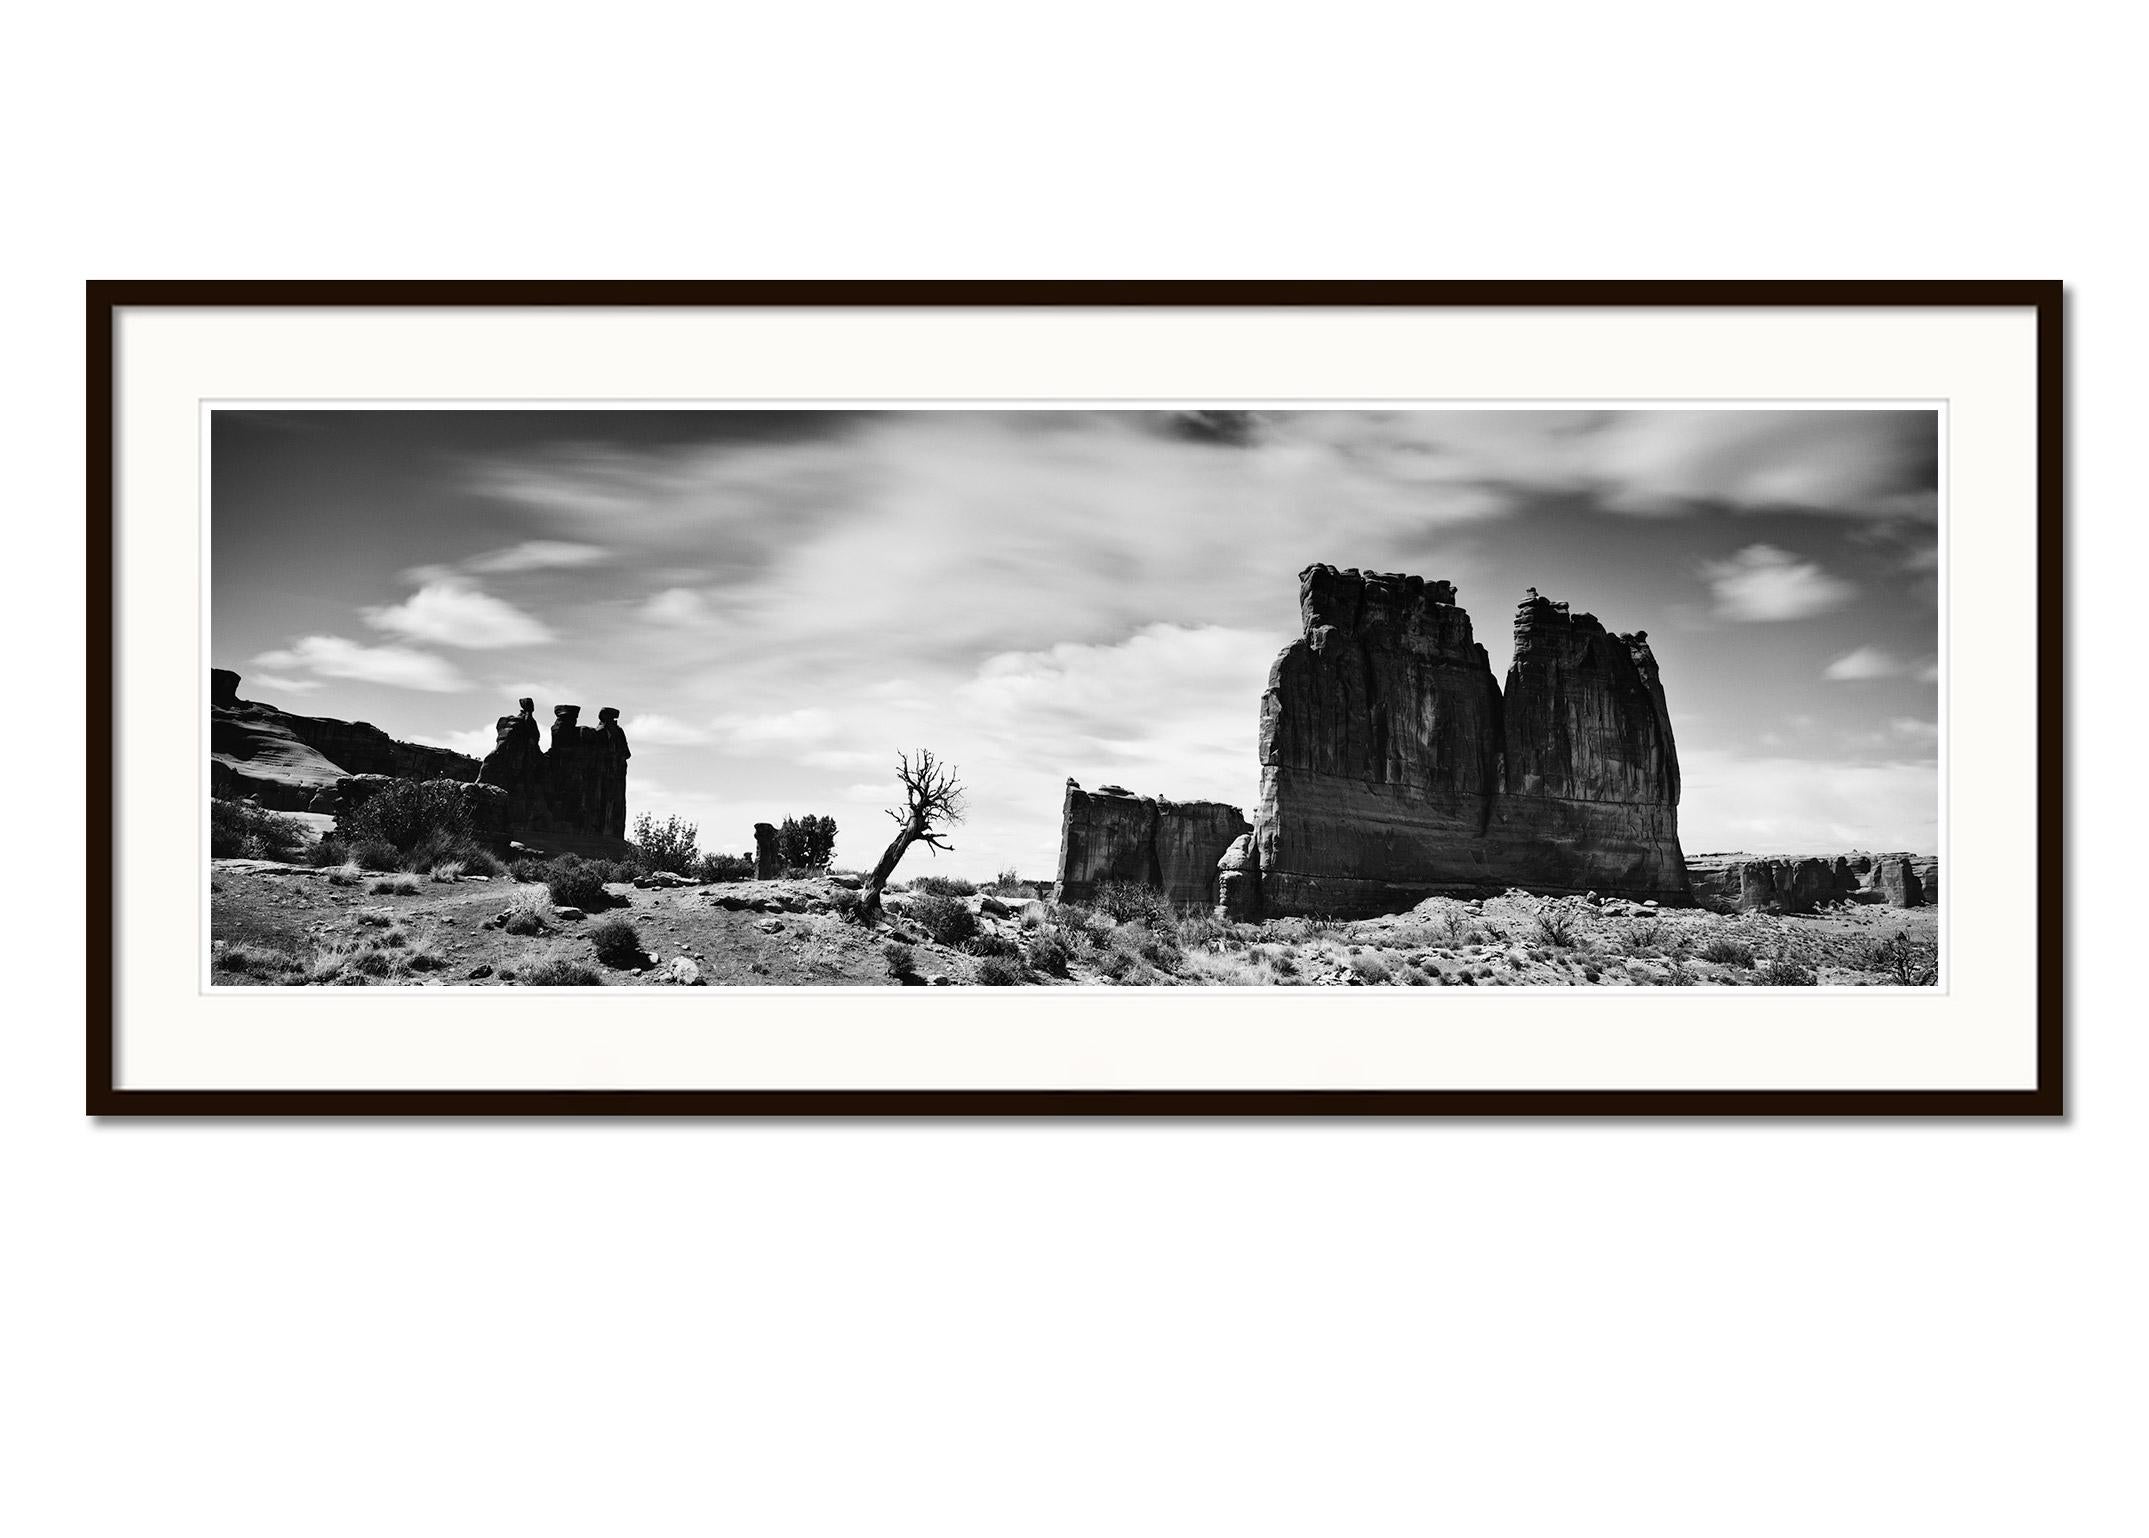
{"x":869,"y":895}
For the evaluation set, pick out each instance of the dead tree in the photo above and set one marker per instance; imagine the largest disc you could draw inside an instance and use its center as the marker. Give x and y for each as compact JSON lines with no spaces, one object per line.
{"x":932,"y":801}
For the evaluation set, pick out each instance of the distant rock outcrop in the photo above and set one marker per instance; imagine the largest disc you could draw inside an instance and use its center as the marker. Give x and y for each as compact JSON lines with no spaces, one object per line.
{"x":1112,"y":834}
{"x":1393,"y":768}
{"x":1801,"y":883}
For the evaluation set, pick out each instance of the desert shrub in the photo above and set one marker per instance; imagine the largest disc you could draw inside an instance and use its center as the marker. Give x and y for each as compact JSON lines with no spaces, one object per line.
{"x":531,"y":913}
{"x":1906,"y":962}
{"x":947,"y":919}
{"x":1117,"y":964}
{"x":242,"y":830}
{"x":329,"y":851}
{"x":575,"y":885}
{"x":1131,"y":902}
{"x":999,"y":972}
{"x":944,"y":886}
{"x":446,"y":870}
{"x":616,"y":942}
{"x":1560,"y":925}
{"x":667,"y":845}
{"x":844,"y":904}
{"x":984,"y":944}
{"x":480,"y":861}
{"x":901,"y":960}
{"x":394,"y":886}
{"x":376,"y":918}
{"x":405,"y":813}
{"x":375,"y":854}
{"x":558,"y":968}
{"x":1284,"y":964}
{"x":1372,"y":968}
{"x":724,"y":867}
{"x":1196,"y":930}
{"x":527,"y":869}
{"x":806,"y":843}
{"x":346,"y":874}
{"x":1787,"y":970}
{"x":1411,"y":977}
{"x":1049,"y":954}
{"x":1146,"y":944}
{"x":1728,"y":951}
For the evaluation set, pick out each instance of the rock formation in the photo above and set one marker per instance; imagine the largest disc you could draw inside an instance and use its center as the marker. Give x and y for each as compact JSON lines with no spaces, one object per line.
{"x":768,"y":857}
{"x":1393,"y":768}
{"x":289,"y":763}
{"x":1801,"y":883}
{"x":1114,"y":835}
{"x":572,"y":799}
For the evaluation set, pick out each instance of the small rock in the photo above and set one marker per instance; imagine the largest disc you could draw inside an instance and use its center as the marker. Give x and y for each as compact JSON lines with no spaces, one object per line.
{"x":943,"y":982}
{"x":770,"y":926}
{"x":680,"y":972}
{"x":568,"y":913}
{"x":853,"y":882}
{"x":987,"y":903}
{"x":481,"y":970}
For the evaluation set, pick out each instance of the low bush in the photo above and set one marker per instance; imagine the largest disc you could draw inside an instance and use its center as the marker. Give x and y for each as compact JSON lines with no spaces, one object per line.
{"x":376,"y":854}
{"x":1117,"y":964}
{"x":346,"y":874}
{"x":407,"y":813}
{"x":256,"y":963}
{"x":947,"y":919}
{"x":1561,"y":926}
{"x":944,"y":886}
{"x":575,"y":885}
{"x":1372,"y":968}
{"x":394,"y":886}
{"x":446,"y":870}
{"x":724,"y":867}
{"x":527,"y":869}
{"x":558,"y":968}
{"x":845,"y":905}
{"x":1048,"y":953}
{"x":616,"y":942}
{"x":1131,"y":902}
{"x":901,"y":960}
{"x":330,"y":851}
{"x":1727,"y":951}
{"x":998,"y":972}
{"x":1145,"y":944}
{"x":1906,"y":962}
{"x":991,"y":945}
{"x":240,"y":830}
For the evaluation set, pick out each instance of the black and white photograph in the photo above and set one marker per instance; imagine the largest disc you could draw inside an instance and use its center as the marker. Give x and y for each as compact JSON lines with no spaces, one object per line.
{"x":1604,"y":696}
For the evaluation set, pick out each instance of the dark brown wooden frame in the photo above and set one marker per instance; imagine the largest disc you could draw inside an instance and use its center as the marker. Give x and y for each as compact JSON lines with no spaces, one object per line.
{"x":2044,"y":298}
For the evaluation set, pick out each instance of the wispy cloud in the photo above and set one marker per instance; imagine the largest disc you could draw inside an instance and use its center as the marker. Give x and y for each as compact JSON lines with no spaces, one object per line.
{"x":1867,"y":662}
{"x":335,"y":657}
{"x":447,"y":613}
{"x":675,"y":606}
{"x":1762,"y":584}
{"x":283,"y":685}
{"x":536,"y":555}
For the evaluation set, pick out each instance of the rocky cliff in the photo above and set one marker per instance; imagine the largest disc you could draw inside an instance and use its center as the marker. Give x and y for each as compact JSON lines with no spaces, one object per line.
{"x":289,"y":762}
{"x":1114,"y":835}
{"x":1393,"y":768}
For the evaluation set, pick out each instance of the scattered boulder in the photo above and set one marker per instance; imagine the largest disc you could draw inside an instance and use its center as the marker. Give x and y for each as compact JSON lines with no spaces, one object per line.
{"x":680,"y":972}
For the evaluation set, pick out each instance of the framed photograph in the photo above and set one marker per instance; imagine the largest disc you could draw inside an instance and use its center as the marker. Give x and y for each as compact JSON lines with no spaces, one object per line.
{"x":1076,"y":698}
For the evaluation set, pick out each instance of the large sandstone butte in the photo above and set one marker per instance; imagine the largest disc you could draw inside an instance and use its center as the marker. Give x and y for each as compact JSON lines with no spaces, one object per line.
{"x":1394,"y":768}
{"x":1111,"y":834}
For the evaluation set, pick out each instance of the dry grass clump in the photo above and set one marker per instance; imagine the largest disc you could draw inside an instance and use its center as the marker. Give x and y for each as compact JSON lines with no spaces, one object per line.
{"x":259,"y":964}
{"x":393,"y":955}
{"x":530,"y":913}
{"x":447,"y":870}
{"x":557,"y":967}
{"x":394,"y":886}
{"x":901,"y":960}
{"x":1000,"y":972}
{"x":1727,"y":951}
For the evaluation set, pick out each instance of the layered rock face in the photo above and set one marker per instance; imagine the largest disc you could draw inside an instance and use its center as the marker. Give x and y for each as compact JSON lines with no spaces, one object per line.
{"x":1114,"y":835}
{"x":288,"y":762}
{"x":1801,"y":883}
{"x":1393,"y":768}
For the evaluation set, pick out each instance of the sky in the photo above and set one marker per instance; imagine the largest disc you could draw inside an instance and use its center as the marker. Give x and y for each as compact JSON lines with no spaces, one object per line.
{"x":779,"y":602}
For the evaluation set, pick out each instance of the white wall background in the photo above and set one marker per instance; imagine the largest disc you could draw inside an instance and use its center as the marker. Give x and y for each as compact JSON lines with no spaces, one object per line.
{"x":1480,"y":1329}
